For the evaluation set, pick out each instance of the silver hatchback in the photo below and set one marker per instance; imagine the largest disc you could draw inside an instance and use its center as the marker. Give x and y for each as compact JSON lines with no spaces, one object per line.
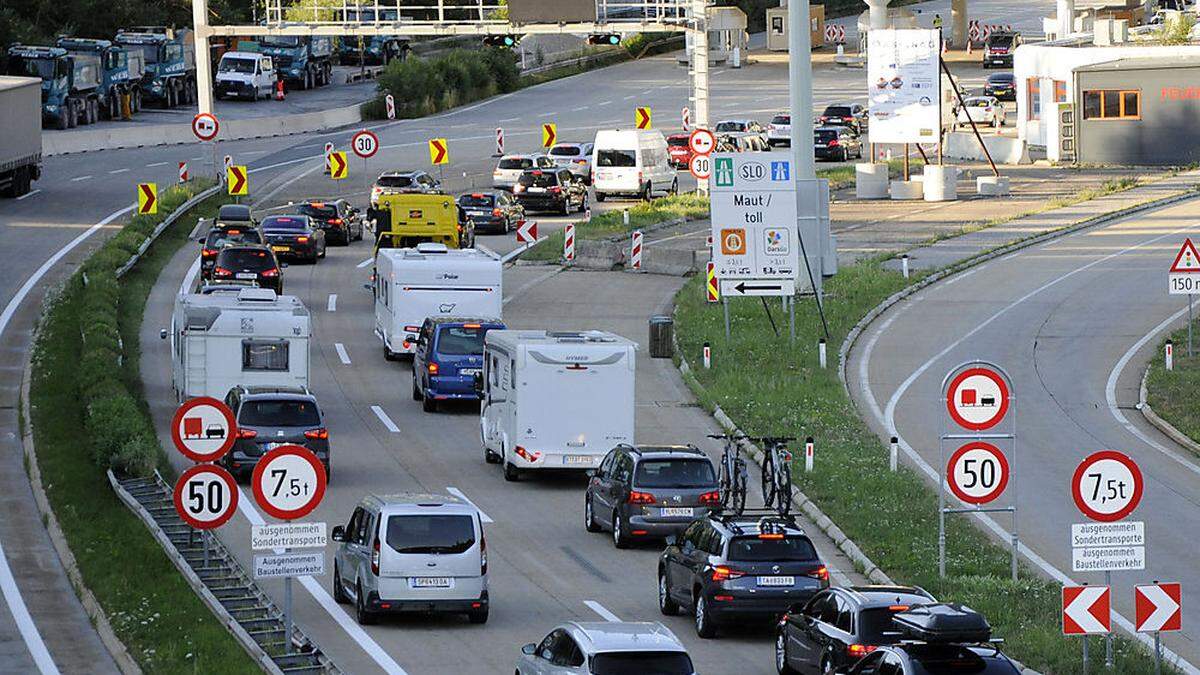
{"x":577,"y":157}
{"x":606,"y":648}
{"x":510,"y":167}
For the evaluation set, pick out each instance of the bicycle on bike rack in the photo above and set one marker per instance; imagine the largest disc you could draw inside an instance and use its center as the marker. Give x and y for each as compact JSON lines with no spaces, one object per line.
{"x":776,"y":472}
{"x":732,"y":475}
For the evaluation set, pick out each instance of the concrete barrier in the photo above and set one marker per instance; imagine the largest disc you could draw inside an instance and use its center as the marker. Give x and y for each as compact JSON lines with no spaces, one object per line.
{"x":907,"y":189}
{"x":871,"y":180}
{"x":1004,"y":150}
{"x":993,"y":186}
{"x":940,"y":183}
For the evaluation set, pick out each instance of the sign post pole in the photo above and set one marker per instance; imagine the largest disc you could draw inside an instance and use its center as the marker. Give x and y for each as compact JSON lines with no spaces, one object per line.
{"x":1108,"y":656}
{"x":1085,"y":654}
{"x":1189,"y":326}
{"x":725,"y":304}
{"x":287,"y":611}
{"x":1157,"y":653}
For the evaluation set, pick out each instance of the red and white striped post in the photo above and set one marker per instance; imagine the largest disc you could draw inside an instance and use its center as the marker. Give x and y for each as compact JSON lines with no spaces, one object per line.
{"x":707,"y":355}
{"x":808,"y":454}
{"x":499,"y":141}
{"x":1169,"y":355}
{"x":569,"y":243}
{"x":183,"y":172}
{"x":635,"y":253}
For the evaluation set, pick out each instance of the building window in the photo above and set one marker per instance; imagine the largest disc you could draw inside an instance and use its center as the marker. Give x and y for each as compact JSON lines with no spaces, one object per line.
{"x":1034,"y":97}
{"x":1060,"y":91}
{"x":265,"y":355}
{"x":1112,"y":104}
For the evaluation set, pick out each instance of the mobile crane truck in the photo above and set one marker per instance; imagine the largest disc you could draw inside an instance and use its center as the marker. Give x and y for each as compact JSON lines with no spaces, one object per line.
{"x":121,"y":72}
{"x":170,"y":58}
{"x":70,"y":82}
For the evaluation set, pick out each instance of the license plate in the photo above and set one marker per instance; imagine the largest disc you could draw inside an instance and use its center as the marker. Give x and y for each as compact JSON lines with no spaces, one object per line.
{"x":820,"y":145}
{"x":577,"y":459}
{"x":677,"y":511}
{"x":470,"y":371}
{"x":246,"y":275}
{"x":776,"y":581}
{"x":280,"y":249}
{"x":271,"y":446}
{"x":431,"y":582}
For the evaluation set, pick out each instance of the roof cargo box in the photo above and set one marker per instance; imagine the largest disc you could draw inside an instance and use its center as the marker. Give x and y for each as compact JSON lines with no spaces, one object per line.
{"x":944,"y":623}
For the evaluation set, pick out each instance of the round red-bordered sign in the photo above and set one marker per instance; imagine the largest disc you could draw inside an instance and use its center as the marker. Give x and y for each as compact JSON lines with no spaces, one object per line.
{"x":702,"y":141}
{"x":977,"y":473}
{"x":700,"y":166}
{"x":205,"y":126}
{"x":203,"y":429}
{"x":977,"y":398}
{"x":365,"y":144}
{"x":289,"y":482}
{"x":206,"y":496}
{"x":1107,"y":486}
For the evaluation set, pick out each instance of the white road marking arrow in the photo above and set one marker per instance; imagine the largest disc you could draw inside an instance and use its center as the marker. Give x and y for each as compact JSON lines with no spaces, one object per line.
{"x":1164,"y":608}
{"x":1080,"y":610}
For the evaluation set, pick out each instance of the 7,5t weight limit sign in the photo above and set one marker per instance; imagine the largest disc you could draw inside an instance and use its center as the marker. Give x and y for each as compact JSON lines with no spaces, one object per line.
{"x":289,"y":482}
{"x":1107,"y":486}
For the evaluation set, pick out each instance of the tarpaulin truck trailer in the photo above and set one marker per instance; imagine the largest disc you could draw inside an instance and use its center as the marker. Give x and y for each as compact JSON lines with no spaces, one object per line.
{"x":170,"y":57}
{"x":121,"y":72}
{"x":70,"y":82}
{"x":20,"y":134}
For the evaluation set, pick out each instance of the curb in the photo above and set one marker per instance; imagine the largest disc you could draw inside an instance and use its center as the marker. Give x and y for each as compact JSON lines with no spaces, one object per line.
{"x":91,"y":606}
{"x":1159,"y":423}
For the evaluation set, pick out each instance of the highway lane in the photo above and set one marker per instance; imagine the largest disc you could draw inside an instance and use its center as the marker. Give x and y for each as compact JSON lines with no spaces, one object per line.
{"x":1062,"y":318}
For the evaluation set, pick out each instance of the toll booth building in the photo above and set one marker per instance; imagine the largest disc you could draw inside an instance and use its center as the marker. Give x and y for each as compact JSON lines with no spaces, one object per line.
{"x":1129,"y":103}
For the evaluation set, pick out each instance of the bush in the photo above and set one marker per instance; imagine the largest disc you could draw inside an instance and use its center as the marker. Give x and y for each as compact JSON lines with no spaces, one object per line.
{"x":111,"y":423}
{"x":136,"y":457}
{"x":425,"y":86}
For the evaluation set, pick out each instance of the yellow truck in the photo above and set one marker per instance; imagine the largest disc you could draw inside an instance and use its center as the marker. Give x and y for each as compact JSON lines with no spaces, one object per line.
{"x":405,"y":220}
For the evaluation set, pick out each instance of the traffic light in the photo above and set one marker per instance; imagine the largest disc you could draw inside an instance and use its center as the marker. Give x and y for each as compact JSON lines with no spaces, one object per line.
{"x":605,"y":39}
{"x":502,"y":40}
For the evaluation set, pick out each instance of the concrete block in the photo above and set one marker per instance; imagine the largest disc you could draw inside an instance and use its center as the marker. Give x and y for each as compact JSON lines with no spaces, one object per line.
{"x":993,"y":186}
{"x":907,"y":189}
{"x":871,"y":180}
{"x":940,"y":183}
{"x":1003,"y":149}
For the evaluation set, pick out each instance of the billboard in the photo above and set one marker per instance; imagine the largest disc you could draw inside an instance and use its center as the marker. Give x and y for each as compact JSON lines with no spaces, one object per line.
{"x":904,"y":85}
{"x":558,"y":11}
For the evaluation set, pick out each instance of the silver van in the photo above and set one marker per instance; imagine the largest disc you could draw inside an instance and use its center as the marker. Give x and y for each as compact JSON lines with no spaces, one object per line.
{"x":412,"y":553}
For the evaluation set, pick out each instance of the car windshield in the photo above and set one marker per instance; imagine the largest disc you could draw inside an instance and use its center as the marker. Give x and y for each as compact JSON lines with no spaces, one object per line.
{"x":539,"y":179}
{"x":481,"y":200}
{"x":279,"y":40}
{"x":1001,"y":78}
{"x":677,"y":141}
{"x":1000,"y":41}
{"x":730,"y":126}
{"x":247,"y":259}
{"x":616,"y":158}
{"x":236,"y":66}
{"x":956,"y":660}
{"x":430,"y":534}
{"x":566,"y":151}
{"x":674,"y":473}
{"x":319,"y":211}
{"x":837,"y":111}
{"x":787,"y":549}
{"x":460,"y":340}
{"x":781,"y":119}
{"x":288,"y":223}
{"x":516,"y":163}
{"x":219,"y":238}
{"x":279,"y":413}
{"x":40,"y":68}
{"x":395,"y":181}
{"x":642,"y":663}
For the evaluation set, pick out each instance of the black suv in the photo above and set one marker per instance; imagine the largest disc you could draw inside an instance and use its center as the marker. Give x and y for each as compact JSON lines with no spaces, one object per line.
{"x":649,"y":491}
{"x":496,"y":212}
{"x":249,"y":263}
{"x":938,"y":639}
{"x":744,"y":566}
{"x":272,"y":416}
{"x":337,"y":218}
{"x":221,"y":235}
{"x":556,"y":190}
{"x":841,"y":625}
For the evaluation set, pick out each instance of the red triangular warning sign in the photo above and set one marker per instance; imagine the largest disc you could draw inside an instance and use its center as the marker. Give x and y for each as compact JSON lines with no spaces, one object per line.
{"x":1188,"y":259}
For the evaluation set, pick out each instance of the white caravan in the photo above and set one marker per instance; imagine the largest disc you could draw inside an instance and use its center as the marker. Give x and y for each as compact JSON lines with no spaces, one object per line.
{"x":555,"y":400}
{"x":632,"y":162}
{"x":253,"y":338}
{"x":412,"y":285}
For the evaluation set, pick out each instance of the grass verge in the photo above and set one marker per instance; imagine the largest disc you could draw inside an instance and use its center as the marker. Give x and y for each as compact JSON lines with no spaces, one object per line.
{"x":152,"y":609}
{"x":1172,"y":393}
{"x":771,"y":387}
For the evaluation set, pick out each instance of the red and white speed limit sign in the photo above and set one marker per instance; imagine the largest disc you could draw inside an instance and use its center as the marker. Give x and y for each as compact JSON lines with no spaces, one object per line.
{"x":203,"y":429}
{"x":365,"y":144}
{"x":977,"y":473}
{"x":702,"y":141}
{"x":1107,"y":486}
{"x":205,"y":126}
{"x":206,"y":496}
{"x":289,"y":482}
{"x":700,"y":166}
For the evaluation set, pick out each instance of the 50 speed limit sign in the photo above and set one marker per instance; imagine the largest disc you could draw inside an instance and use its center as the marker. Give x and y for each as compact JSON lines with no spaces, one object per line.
{"x":365,"y":144}
{"x":977,"y":473}
{"x":1107,"y":486}
{"x":289,"y":482}
{"x":206,"y":496}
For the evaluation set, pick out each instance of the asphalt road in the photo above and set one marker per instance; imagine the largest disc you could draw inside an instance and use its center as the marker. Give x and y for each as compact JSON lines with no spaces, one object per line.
{"x":1073,"y":321}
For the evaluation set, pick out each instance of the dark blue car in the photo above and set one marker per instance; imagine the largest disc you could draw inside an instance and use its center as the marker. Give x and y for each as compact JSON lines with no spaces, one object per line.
{"x":449,"y":355}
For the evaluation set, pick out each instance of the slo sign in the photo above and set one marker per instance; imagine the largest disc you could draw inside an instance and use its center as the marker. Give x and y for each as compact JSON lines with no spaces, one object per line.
{"x":203,"y":429}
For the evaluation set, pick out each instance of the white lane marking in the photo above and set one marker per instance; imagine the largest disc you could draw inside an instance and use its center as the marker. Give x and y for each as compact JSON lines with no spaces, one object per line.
{"x":8,"y":585}
{"x":332,"y":306}
{"x":509,"y":119}
{"x":29,"y":194}
{"x":341,"y":352}
{"x":603,"y":103}
{"x":579,"y":109}
{"x":888,"y":420}
{"x":517,"y":293}
{"x":335,"y":611}
{"x":364,"y":263}
{"x":387,"y":421}
{"x":459,"y":493}
{"x":630,"y":97}
{"x":79,"y":178}
{"x":548,"y":114}
{"x":116,"y":171}
{"x":604,"y":613}
{"x":1110,"y":394}
{"x":150,"y":166}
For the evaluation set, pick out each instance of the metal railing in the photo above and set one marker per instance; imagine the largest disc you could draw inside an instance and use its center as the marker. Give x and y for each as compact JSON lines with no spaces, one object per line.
{"x":449,"y":15}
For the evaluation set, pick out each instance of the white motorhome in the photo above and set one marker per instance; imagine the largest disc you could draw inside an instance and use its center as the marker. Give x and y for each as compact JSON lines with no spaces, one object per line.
{"x":413,"y":284}
{"x":244,"y":74}
{"x":632,"y":162}
{"x":555,"y":400}
{"x":253,"y":338}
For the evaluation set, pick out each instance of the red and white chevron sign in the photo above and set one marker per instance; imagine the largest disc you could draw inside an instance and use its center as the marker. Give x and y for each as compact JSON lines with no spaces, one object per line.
{"x":1086,"y":610}
{"x":635,"y":255}
{"x":569,"y":242}
{"x":1159,"y":607}
{"x":835,"y":33}
{"x":527,"y":231}
{"x":499,"y":141}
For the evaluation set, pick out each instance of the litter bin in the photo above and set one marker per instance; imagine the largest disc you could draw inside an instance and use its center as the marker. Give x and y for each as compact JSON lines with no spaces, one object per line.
{"x":661,"y":330}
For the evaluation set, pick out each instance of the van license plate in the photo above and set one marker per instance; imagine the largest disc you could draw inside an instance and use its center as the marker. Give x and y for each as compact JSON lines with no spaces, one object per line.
{"x":246,"y":275}
{"x":577,"y":459}
{"x":431,"y":582}
{"x":776,"y":581}
{"x":669,"y":511}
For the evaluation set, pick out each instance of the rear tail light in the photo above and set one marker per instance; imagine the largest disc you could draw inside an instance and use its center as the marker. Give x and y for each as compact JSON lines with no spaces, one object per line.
{"x":821,"y":573}
{"x":482,"y":554}
{"x":529,"y":455}
{"x":375,"y":557}
{"x":246,"y":433}
{"x":711,"y":498}
{"x":208,"y":253}
{"x":859,"y":651}
{"x":496,"y":213}
{"x":222,"y":272}
{"x":770,"y":535}
{"x":271,"y":273}
{"x":472,"y":325}
{"x":433,"y":369}
{"x":834,"y":143}
{"x":337,"y":221}
{"x":411,"y":329}
{"x":723,"y":573}
{"x":580,"y":161}
{"x":317,"y":434}
{"x":302,"y":240}
{"x":636,"y":497}
{"x":556,"y":190}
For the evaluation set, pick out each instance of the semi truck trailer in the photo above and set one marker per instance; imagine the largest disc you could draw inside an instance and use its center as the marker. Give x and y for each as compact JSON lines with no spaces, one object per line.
{"x":20,"y":134}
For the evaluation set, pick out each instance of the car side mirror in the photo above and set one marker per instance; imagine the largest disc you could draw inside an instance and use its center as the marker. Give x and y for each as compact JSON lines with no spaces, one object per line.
{"x":338,"y":534}
{"x":283,"y":265}
{"x":162,"y":333}
{"x":671,"y":539}
{"x":529,"y":649}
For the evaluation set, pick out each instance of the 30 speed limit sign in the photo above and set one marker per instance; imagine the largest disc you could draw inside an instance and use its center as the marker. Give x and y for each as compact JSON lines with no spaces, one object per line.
{"x":365,"y":144}
{"x":700,"y":166}
{"x":1107,"y":486}
{"x":289,"y":482}
{"x":206,"y":496}
{"x":977,"y":473}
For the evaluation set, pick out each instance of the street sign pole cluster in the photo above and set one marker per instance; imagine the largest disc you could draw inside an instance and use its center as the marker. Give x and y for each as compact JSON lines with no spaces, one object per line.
{"x":206,"y":495}
{"x":977,"y":401}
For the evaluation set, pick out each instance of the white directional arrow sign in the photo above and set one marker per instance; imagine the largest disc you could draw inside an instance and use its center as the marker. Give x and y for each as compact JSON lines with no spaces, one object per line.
{"x":1158,"y":608}
{"x":527,"y":231}
{"x":1086,"y":610}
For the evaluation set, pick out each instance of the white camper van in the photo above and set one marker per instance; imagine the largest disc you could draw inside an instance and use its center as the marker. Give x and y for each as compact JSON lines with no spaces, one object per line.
{"x":244,"y":74}
{"x":555,"y":400}
{"x":253,"y":338}
{"x":413,"y":284}
{"x":632,"y":162}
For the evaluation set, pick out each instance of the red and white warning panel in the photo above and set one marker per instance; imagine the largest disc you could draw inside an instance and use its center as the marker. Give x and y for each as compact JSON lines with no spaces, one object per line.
{"x":977,"y":473}
{"x":527,"y":231}
{"x":206,"y":496}
{"x":1159,"y":608}
{"x":1184,"y":276}
{"x":977,"y":398}
{"x":289,"y":482}
{"x":635,"y":253}
{"x":1086,"y":610}
{"x":203,"y":429}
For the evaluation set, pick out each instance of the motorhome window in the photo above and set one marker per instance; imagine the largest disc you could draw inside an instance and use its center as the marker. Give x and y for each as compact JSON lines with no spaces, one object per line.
{"x":270,"y":355}
{"x":444,"y":534}
{"x":458,"y":341}
{"x":616,"y":158}
{"x":236,"y":66}
{"x":279,"y":413}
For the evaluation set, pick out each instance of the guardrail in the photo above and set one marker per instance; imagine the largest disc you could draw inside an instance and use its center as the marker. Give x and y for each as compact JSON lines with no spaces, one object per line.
{"x":166,"y":222}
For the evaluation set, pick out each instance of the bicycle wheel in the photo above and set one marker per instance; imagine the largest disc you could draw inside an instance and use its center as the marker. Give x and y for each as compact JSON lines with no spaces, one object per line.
{"x":783,"y":488}
{"x":724,"y":484}
{"x":768,"y":478}
{"x":738,"y":488}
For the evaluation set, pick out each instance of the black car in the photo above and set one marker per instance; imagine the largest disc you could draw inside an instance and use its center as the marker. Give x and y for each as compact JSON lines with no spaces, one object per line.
{"x":221,"y":235}
{"x":730,"y":567}
{"x":840,"y":625}
{"x":294,"y":236}
{"x":938,"y":639}
{"x":837,"y":143}
{"x":337,"y":218}
{"x":251,"y":263}
{"x":551,"y":190}
{"x":496,"y":211}
{"x":849,"y":114}
{"x":268,"y":417}
{"x":1001,"y":85}
{"x":640,"y":492}
{"x":235,"y":213}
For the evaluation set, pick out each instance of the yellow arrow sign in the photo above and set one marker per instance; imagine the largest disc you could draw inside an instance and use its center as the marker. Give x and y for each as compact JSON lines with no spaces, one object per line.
{"x":239,"y":184}
{"x":439,"y":151}
{"x":338,"y":168}
{"x":147,"y":198}
{"x":642,"y":117}
{"x":549,"y":134}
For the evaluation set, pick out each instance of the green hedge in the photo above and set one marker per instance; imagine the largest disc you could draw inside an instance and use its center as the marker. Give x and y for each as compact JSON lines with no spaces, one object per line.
{"x":427,"y":86}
